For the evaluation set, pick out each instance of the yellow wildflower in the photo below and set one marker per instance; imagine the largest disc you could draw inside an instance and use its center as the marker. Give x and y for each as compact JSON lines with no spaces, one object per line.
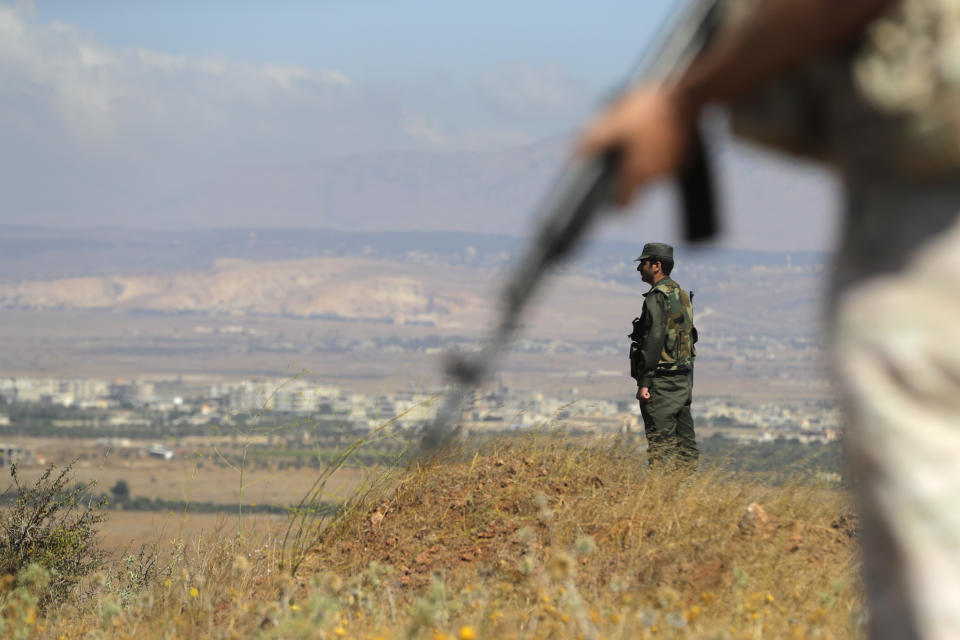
{"x":562,"y":565}
{"x":194,"y":592}
{"x":467,"y":633}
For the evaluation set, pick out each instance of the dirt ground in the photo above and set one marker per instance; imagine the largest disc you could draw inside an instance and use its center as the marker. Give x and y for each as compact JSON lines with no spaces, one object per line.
{"x":193,"y":475}
{"x":124,"y":532}
{"x":190,"y":477}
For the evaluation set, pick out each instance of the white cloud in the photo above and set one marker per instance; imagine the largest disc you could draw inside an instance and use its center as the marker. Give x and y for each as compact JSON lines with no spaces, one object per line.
{"x":436,"y":136}
{"x":108,"y":135}
{"x":417,"y":126}
{"x":96,"y":91}
{"x":533,"y":92}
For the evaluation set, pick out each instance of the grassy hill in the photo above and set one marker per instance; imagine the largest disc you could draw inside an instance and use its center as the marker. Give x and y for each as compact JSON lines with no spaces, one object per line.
{"x":537,"y":536}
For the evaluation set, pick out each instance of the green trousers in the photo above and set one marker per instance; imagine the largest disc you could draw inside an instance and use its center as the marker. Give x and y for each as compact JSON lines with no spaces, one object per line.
{"x":667,"y":420}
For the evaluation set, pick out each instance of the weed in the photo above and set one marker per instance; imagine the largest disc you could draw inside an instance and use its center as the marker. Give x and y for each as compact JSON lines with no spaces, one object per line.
{"x":530,"y":537}
{"x":52,"y":527}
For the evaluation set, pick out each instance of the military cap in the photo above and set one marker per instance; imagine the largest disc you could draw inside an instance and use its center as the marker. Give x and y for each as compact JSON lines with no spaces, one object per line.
{"x":656,"y":249}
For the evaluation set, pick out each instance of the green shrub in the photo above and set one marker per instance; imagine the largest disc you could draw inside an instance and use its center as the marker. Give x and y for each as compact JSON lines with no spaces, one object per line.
{"x":120,"y":491}
{"x":54,"y":527}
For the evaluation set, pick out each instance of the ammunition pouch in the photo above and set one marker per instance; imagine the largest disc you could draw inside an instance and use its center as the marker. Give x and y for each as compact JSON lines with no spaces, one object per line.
{"x":636,"y":334}
{"x":636,"y":360}
{"x":636,"y":355}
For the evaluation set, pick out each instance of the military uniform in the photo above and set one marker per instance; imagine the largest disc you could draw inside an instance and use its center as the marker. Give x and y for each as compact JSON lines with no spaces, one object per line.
{"x":885,"y":112}
{"x":662,"y":357}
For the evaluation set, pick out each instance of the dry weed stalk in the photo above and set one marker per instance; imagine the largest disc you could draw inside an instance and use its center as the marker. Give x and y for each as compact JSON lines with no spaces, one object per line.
{"x":534,"y":536}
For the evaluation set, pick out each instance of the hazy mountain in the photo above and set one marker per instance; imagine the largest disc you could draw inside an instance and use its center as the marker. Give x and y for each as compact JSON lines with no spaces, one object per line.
{"x":32,"y":253}
{"x":768,"y":202}
{"x":352,"y":288}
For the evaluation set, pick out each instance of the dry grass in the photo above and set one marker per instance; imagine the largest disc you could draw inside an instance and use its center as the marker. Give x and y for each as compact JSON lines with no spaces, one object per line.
{"x":193,"y":478}
{"x":126,"y":531}
{"x":532,"y":537}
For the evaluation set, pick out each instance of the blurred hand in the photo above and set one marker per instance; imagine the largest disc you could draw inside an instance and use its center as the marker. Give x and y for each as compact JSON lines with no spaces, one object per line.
{"x":651,"y":130}
{"x":643,"y":394}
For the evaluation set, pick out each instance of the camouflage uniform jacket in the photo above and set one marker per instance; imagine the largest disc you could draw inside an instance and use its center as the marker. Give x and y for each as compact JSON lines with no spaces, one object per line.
{"x":888,"y":103}
{"x":664,"y":334}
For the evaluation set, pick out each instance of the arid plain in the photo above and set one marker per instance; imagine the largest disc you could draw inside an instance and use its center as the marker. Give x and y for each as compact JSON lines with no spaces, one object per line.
{"x":383,"y":324}
{"x":375,"y":323}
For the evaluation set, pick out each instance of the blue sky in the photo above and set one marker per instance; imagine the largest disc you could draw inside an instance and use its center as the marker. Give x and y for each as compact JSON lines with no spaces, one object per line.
{"x":378,"y":40}
{"x":215,"y":113}
{"x":418,"y":74}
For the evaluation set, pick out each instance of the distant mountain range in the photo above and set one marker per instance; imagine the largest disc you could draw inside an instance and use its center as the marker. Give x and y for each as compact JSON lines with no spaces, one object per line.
{"x":442,"y":279}
{"x":769,"y":202}
{"x":347,"y":288}
{"x":35,"y":253}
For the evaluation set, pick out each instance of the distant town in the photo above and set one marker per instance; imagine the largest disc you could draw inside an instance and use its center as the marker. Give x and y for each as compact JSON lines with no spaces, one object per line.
{"x":165,"y":409}
{"x":155,"y":346}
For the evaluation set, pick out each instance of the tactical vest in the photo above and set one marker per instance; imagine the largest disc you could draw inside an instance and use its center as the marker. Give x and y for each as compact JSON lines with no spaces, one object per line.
{"x":678,"y":350}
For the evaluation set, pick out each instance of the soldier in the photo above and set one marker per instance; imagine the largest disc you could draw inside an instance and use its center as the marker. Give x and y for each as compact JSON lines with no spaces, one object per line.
{"x":872,"y":87}
{"x":661,"y":358}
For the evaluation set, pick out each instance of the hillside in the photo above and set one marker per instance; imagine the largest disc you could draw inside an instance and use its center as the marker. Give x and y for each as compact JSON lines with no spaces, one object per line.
{"x":341,"y":287}
{"x":539,"y":537}
{"x":398,"y":292}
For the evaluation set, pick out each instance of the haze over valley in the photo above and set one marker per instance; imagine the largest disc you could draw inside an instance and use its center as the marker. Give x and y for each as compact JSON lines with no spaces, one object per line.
{"x":365,"y":306}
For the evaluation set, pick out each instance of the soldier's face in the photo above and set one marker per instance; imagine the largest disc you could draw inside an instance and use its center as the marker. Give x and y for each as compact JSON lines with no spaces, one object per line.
{"x":646,"y":269}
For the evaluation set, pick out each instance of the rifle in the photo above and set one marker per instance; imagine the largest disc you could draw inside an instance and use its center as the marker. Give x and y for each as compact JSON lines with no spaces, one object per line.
{"x":582,"y":190}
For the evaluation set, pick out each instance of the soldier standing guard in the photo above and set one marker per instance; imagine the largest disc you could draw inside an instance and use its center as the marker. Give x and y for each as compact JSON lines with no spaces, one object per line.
{"x":661,"y":359}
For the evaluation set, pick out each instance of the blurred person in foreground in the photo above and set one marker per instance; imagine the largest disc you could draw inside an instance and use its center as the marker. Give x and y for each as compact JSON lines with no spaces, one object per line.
{"x":873,"y":88}
{"x":661,"y":359}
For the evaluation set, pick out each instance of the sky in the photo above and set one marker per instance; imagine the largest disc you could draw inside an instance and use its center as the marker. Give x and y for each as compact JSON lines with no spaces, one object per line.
{"x":182,"y":114}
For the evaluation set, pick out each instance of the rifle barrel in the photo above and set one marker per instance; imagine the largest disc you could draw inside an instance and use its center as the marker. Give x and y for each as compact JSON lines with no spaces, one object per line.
{"x":583,"y":189}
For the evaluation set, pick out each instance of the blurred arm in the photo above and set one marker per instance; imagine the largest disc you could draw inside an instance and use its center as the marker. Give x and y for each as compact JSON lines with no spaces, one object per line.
{"x":780,"y":35}
{"x":651,"y":125}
